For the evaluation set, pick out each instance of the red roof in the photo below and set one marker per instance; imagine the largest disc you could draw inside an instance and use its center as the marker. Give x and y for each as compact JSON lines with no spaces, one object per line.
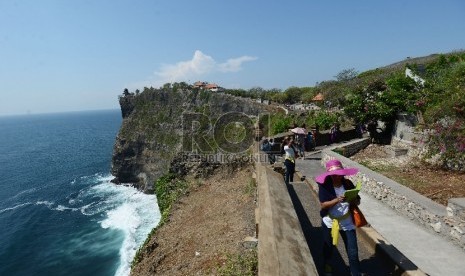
{"x":211,"y":85}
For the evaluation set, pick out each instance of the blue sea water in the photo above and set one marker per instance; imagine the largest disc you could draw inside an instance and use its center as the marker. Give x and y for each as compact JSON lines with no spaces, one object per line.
{"x":59,"y":213}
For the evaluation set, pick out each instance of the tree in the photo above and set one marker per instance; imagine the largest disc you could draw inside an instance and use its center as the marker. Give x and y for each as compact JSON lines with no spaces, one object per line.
{"x":382,"y":100}
{"x":346,"y":75}
{"x":166,"y":86}
{"x":125,"y":92}
{"x":293,"y":94}
{"x":256,"y":92}
{"x":280,"y":97}
{"x":363,"y":103}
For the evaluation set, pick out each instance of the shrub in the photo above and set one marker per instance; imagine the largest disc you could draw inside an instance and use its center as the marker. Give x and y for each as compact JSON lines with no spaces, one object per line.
{"x":280,"y":124}
{"x":168,"y":189}
{"x":325,"y":120}
{"x":447,"y":144}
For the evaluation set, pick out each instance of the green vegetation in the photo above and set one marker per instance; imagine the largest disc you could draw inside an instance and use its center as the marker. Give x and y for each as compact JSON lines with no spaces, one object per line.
{"x":251,"y":187}
{"x":278,"y":122}
{"x":291,"y":95}
{"x":168,"y":189}
{"x":439,"y":103}
{"x":240,"y":265}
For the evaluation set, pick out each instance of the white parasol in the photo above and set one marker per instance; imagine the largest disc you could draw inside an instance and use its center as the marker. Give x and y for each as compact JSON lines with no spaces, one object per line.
{"x":299,"y":130}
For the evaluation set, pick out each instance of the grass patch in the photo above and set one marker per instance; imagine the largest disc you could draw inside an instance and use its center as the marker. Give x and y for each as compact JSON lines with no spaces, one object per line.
{"x":397,"y":174}
{"x":168,"y":189}
{"x":245,"y":264}
{"x":251,"y":187}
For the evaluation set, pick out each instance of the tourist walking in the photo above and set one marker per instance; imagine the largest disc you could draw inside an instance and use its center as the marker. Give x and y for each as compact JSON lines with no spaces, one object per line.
{"x":267,"y":148}
{"x":336,"y":215}
{"x":289,"y":161}
{"x":310,"y":141}
{"x":283,"y":144}
{"x":301,"y":136}
{"x":315,"y":133}
{"x":334,"y":133}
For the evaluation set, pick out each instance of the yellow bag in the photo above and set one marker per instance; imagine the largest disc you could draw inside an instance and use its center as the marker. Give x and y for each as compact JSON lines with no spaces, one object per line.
{"x":335,"y":231}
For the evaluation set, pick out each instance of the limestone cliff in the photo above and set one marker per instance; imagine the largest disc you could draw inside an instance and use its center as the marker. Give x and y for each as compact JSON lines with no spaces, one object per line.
{"x":151,"y":133}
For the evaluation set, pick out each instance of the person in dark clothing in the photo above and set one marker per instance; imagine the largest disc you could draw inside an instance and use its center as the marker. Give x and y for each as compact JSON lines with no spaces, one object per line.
{"x":371,"y":128}
{"x":336,"y":215}
{"x":271,"y":155}
{"x":284,"y":143}
{"x":289,"y":161}
{"x":267,"y":148}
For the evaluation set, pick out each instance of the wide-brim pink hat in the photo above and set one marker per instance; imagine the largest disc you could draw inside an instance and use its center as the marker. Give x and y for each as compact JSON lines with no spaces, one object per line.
{"x":334,"y":167}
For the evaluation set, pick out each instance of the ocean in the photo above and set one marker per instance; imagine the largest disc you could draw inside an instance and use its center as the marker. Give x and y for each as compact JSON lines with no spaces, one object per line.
{"x":59,"y":212}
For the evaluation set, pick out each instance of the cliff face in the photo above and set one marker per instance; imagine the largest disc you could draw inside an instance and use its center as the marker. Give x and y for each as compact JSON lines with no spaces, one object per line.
{"x":151,"y":133}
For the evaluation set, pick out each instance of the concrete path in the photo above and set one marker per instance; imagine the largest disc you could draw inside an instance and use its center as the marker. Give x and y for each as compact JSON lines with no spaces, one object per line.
{"x":432,"y":254}
{"x":307,"y":209}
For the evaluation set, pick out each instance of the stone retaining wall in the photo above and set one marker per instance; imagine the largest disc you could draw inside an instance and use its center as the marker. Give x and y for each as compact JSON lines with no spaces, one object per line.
{"x":446,"y":221}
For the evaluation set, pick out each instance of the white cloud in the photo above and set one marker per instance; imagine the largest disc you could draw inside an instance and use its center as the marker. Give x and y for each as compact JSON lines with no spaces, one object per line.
{"x":234,"y":64}
{"x":195,"y":69}
{"x":199,"y":65}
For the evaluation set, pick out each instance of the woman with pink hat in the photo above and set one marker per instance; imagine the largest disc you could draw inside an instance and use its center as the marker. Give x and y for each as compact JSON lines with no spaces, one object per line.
{"x":335,"y":213}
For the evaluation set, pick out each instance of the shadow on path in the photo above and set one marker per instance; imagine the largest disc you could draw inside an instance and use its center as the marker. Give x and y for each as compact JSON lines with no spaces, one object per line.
{"x":314,"y":238}
{"x":307,"y":209}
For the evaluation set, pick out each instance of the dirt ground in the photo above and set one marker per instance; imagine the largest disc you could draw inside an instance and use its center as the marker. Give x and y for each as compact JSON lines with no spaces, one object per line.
{"x":436,"y":184}
{"x":205,"y":228}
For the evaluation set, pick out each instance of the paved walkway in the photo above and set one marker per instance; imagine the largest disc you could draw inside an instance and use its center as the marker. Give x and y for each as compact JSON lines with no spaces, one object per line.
{"x":307,"y":208}
{"x":432,"y":254}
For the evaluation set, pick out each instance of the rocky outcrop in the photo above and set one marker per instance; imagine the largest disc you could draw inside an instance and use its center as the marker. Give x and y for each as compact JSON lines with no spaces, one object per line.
{"x":151,"y":134}
{"x":127,"y":104}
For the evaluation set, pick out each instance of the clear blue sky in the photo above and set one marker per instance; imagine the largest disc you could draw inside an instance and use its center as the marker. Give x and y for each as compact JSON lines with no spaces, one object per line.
{"x":60,"y":56}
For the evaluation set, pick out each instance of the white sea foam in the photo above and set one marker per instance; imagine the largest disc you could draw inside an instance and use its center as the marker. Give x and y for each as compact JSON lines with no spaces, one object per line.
{"x":28,"y":191}
{"x":95,"y":208}
{"x":58,"y":207}
{"x":104,"y":178}
{"x":15,"y":207}
{"x":46,"y":203}
{"x":122,"y":207}
{"x":63,"y":208}
{"x":128,"y":210}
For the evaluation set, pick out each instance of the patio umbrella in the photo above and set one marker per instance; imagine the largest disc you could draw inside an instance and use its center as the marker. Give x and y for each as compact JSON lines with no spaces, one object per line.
{"x":299,"y":130}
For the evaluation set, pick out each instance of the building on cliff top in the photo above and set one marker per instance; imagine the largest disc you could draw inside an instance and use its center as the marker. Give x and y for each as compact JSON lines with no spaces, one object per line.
{"x":207,"y":86}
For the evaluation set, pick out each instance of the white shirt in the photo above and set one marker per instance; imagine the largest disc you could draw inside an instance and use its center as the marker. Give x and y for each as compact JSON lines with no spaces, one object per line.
{"x":339,"y":210}
{"x":289,"y":152}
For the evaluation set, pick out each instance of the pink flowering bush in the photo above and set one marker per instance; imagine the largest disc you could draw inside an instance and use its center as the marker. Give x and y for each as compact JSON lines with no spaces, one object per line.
{"x":447,"y":141}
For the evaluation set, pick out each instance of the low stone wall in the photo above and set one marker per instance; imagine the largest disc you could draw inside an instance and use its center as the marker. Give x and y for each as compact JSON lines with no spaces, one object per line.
{"x":351,"y":148}
{"x":446,"y":221}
